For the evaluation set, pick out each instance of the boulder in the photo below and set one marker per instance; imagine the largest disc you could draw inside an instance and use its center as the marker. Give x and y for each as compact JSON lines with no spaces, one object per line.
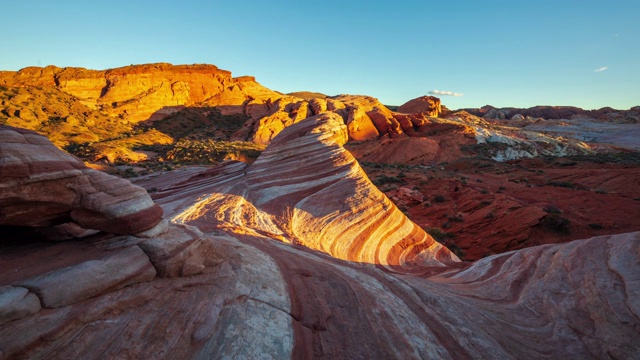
{"x":181,"y":251}
{"x":91,"y":278}
{"x":41,"y":185}
{"x":17,"y":303}
{"x":427,"y":105}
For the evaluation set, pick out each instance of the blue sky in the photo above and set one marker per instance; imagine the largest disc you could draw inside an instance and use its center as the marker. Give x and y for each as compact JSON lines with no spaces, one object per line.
{"x":498,"y":52}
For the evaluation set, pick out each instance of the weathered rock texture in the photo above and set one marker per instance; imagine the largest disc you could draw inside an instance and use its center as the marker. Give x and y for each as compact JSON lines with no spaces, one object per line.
{"x":306,"y":189}
{"x":72,"y":284}
{"x":42,"y":186}
{"x":17,"y":303}
{"x":240,"y":294}
{"x":428,"y":105}
{"x":142,"y":92}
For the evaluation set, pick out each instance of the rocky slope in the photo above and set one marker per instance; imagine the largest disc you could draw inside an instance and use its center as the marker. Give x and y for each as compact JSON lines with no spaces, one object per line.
{"x":306,"y":189}
{"x":558,"y":112}
{"x":250,"y":286}
{"x":480,"y":207}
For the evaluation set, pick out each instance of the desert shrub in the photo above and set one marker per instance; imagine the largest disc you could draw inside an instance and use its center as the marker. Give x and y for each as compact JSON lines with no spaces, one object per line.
{"x":557,"y":223}
{"x":438,"y":234}
{"x":596,"y":226}
{"x":456,"y":250}
{"x":445,"y":238}
{"x":439,"y":198}
{"x":384,"y":179}
{"x":570,"y":163}
{"x":552,"y":209}
{"x":208,"y":151}
{"x":372,"y":164}
{"x":566,"y":184}
{"x":554,"y":220}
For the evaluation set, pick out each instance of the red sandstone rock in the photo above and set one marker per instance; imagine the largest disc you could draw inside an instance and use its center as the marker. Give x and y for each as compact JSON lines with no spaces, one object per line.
{"x":180,"y":251}
{"x":360,"y":126}
{"x":264,"y":298}
{"x":296,"y":189}
{"x":142,"y":92}
{"x":427,"y":105}
{"x":283,"y":301}
{"x":91,"y":278}
{"x":43,"y":186}
{"x":366,"y":118}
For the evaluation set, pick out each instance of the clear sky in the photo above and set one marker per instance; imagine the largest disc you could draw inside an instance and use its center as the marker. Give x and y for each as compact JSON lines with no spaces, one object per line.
{"x":501,"y":52}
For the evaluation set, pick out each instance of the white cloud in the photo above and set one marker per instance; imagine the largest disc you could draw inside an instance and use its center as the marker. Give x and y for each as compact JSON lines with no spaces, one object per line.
{"x":445,"y":93}
{"x":602,"y":69}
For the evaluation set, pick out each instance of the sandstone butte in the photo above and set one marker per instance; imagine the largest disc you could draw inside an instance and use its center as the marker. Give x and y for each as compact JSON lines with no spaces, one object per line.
{"x":142,"y":92}
{"x":428,"y":105}
{"x":298,"y":255}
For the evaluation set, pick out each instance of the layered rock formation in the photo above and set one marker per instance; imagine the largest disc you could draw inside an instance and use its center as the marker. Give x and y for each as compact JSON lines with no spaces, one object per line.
{"x":42,"y":186}
{"x":631,"y":115}
{"x":251,"y":287}
{"x":141,"y":92}
{"x":296,"y":191}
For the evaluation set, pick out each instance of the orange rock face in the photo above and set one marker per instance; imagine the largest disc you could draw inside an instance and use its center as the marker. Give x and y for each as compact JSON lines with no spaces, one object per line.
{"x":141,"y":92}
{"x":427,"y":105}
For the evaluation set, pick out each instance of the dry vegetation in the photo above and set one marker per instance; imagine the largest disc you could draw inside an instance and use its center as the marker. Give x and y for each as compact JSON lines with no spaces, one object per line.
{"x":198,"y":135}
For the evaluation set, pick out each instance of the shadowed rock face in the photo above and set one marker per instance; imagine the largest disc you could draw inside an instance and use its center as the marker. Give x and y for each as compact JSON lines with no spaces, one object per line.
{"x":372,"y":292}
{"x":42,"y":186}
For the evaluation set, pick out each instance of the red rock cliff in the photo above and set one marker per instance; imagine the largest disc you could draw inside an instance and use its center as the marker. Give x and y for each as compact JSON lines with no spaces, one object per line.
{"x":140,"y":92}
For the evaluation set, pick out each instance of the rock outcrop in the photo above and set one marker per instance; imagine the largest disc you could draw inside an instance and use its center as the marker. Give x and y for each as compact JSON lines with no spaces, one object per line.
{"x":143,"y":92}
{"x":631,"y":115}
{"x":42,"y":186}
{"x":296,"y":191}
{"x":428,"y":105}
